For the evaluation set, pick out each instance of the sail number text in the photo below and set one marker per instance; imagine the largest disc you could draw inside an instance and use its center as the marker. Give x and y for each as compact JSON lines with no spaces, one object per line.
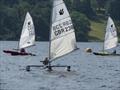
{"x":62,"y":27}
{"x":30,"y":29}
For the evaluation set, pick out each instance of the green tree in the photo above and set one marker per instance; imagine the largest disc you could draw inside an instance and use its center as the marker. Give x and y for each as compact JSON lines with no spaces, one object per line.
{"x":87,"y":9}
{"x":81,"y":25}
{"x":114,"y":9}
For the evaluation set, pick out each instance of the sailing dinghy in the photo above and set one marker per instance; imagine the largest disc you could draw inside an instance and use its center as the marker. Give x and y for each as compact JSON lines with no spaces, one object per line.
{"x":62,"y":36}
{"x":27,"y":38}
{"x":111,"y":39}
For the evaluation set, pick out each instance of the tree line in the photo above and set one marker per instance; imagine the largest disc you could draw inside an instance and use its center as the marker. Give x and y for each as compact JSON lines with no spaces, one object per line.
{"x":12,"y":15}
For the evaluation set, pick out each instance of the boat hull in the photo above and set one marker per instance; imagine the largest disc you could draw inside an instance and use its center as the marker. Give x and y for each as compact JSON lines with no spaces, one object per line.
{"x":15,"y":53}
{"x":105,"y":54}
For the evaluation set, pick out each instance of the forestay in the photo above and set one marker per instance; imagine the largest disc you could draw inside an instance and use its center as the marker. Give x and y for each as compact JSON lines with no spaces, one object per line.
{"x":28,"y":33}
{"x":62,"y":37}
{"x":111,"y":39}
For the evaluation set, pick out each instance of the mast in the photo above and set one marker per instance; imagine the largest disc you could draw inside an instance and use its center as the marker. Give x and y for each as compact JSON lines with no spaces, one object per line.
{"x":104,"y":34}
{"x":104,"y":40}
{"x":50,"y":29}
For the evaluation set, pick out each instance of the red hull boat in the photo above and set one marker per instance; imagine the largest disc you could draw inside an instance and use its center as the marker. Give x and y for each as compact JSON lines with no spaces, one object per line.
{"x":15,"y":53}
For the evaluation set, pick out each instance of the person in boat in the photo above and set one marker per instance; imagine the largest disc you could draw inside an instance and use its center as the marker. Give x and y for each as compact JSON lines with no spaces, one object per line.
{"x":22,"y":50}
{"x":114,"y":52}
{"x":46,"y":61}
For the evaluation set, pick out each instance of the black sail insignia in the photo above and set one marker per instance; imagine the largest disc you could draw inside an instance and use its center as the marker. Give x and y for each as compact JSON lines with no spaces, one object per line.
{"x":61,"y":12}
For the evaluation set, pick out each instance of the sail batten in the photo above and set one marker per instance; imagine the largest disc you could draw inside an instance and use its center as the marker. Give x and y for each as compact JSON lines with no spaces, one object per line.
{"x":111,"y":39}
{"x":27,"y":38}
{"x":53,"y":59}
{"x":62,"y":19}
{"x":62,"y":35}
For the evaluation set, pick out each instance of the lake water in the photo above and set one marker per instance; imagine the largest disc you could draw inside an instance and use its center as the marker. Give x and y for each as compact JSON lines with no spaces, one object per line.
{"x":88,"y":72}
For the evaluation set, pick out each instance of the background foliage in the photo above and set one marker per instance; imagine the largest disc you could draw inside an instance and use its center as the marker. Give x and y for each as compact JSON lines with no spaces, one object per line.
{"x":89,"y":17}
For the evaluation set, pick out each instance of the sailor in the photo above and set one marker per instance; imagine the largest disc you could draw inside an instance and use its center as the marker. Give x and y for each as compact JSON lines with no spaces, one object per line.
{"x":46,"y":61}
{"x":114,"y":52}
{"x":22,"y":50}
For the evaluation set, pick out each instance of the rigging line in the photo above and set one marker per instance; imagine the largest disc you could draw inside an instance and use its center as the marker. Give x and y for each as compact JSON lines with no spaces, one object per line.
{"x":58,"y":4}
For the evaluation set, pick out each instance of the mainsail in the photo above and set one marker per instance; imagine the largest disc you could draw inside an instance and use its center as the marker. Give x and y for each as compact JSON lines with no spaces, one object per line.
{"x":28,"y":33}
{"x":111,"y":39}
{"x":62,"y":33}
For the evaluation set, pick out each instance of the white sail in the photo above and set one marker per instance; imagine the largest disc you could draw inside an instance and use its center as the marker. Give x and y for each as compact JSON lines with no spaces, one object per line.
{"x":28,"y":33}
{"x":111,"y":39}
{"x":62,"y":38}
